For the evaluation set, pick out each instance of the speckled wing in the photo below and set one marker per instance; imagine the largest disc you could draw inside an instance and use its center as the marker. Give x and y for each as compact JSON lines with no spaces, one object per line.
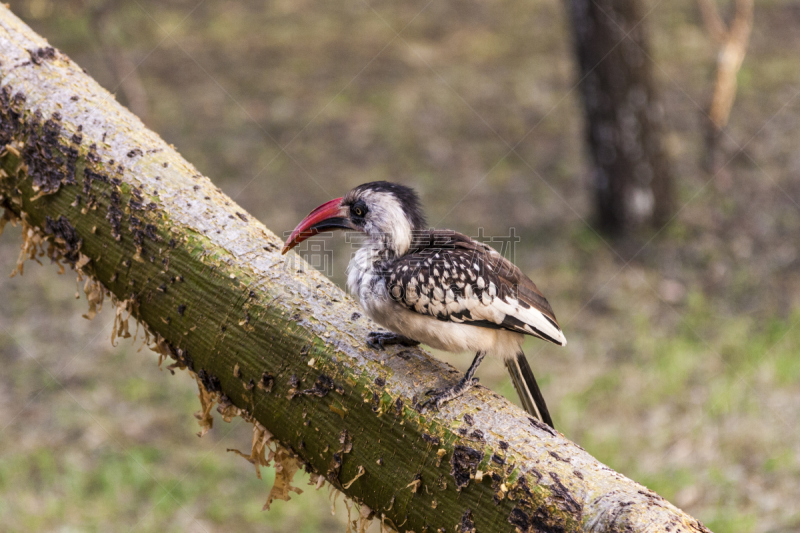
{"x":451,"y":277}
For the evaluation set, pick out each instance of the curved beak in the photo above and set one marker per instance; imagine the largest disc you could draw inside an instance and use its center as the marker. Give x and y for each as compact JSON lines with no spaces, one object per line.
{"x":329,"y":216}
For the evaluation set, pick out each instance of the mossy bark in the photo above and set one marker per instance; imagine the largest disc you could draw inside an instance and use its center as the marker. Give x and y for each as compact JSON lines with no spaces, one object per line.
{"x":281,"y":342}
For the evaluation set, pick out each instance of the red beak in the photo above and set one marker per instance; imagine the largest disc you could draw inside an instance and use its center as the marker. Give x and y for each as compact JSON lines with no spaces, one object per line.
{"x":329,"y":216}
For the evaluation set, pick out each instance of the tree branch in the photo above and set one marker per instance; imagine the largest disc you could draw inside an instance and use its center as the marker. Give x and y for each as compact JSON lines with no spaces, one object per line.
{"x":279,"y":345}
{"x":733,"y":43}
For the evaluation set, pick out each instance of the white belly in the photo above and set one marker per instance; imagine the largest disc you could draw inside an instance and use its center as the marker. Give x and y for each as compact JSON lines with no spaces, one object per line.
{"x":445,"y":335}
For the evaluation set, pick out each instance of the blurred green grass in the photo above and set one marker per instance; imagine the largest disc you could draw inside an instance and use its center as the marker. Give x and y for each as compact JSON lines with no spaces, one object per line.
{"x":681,"y":370}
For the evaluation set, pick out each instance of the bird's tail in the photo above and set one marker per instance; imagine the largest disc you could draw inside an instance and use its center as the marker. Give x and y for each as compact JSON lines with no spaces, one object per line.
{"x":528,"y":390}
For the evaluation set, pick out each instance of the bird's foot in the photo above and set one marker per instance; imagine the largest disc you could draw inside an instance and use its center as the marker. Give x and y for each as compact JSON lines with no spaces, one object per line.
{"x":378,"y":340}
{"x":439,"y":397}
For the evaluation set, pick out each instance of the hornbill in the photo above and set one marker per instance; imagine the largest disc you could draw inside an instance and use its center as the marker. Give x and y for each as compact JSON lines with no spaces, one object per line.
{"x":437,"y":287}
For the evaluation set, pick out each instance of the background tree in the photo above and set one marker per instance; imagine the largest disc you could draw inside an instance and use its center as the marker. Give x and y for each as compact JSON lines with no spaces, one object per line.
{"x":630,"y":171}
{"x":732,"y":40}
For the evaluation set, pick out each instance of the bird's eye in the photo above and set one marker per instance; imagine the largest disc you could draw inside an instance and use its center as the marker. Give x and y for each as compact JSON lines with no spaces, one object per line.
{"x":359,"y":210}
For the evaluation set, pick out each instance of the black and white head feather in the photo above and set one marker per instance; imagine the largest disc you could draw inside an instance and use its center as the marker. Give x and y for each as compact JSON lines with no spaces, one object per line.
{"x":389,"y":213}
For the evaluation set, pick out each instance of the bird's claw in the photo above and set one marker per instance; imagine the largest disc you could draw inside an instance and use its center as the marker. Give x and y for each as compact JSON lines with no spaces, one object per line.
{"x":439,"y":397}
{"x":379,"y":340}
{"x":430,"y":402}
{"x":374,"y":341}
{"x":455,"y":390}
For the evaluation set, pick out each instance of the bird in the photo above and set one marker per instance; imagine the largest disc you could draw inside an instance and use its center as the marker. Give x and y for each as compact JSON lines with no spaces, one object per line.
{"x":436,"y":287}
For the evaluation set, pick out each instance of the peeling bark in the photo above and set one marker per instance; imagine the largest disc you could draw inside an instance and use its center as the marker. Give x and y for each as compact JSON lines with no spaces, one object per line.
{"x":280,"y":346}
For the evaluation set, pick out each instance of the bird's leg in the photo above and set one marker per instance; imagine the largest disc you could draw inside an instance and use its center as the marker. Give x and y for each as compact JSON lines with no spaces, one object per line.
{"x":439,"y":397}
{"x":378,"y":340}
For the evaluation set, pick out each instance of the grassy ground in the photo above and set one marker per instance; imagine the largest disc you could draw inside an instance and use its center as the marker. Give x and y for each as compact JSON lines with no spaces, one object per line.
{"x":682,"y":369}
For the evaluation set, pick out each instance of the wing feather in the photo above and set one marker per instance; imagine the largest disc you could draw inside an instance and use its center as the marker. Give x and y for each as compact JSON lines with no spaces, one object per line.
{"x":451,"y":277}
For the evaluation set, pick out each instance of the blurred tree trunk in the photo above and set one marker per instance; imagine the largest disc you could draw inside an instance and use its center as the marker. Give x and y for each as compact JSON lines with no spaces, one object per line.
{"x":630,"y":171}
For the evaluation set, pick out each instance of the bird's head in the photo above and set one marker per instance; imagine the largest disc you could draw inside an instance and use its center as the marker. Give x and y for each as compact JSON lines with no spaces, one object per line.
{"x":386,"y":212}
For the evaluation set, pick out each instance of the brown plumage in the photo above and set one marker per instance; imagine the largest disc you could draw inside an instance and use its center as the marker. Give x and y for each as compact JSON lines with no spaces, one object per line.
{"x":448,"y":260}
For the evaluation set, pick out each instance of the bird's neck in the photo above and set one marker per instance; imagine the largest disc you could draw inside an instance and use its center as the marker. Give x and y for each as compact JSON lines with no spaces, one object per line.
{"x":389,"y":244}
{"x":374,"y":257}
{"x":364,"y":269}
{"x":380,"y":249}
